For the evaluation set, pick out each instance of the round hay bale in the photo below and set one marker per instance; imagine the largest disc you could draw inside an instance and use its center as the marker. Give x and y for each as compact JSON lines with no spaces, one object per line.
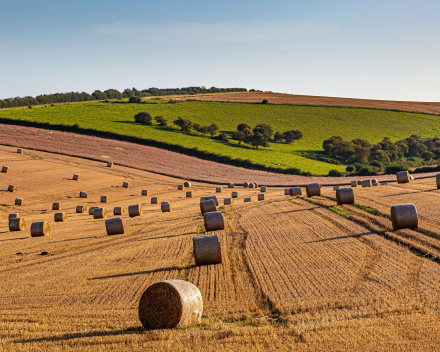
{"x":219,"y":189}
{"x":165,"y":207}
{"x":404,"y":216}
{"x":5,"y":169}
{"x":384,"y":183}
{"x":81,"y":209}
{"x":251,"y":185}
{"x":359,"y":182}
{"x":189,"y":194}
{"x":187,"y":184}
{"x":76,"y":177}
{"x":19,"y":201}
{"x":13,"y":216}
{"x":118,"y":211}
{"x":12,"y":188}
{"x":313,"y":189}
{"x":135,"y":210}
{"x":60,"y":217}
{"x":207,"y":250}
{"x":411,"y":177}
{"x":437,"y":179}
{"x":261,"y":196}
{"x":114,"y":226}
{"x":354,"y":184}
{"x":246,"y":184}
{"x":231,"y":185}
{"x":110,"y":164}
{"x":145,"y":192}
{"x":214,"y":221}
{"x":99,"y":213}
{"x":248,"y":200}
{"x":263,"y":188}
{"x":228,"y":201}
{"x":235,"y":194}
{"x":180,"y":187}
{"x":40,"y":228}
{"x":125,"y":184}
{"x":214,"y":198}
{"x":366,"y":183}
{"x":256,"y":185}
{"x":345,"y":196}
{"x":20,"y":150}
{"x":91,"y":210}
{"x":104,"y":199}
{"x":202,"y":199}
{"x":376,"y":184}
{"x":335,"y":188}
{"x":17,"y":224}
{"x":154,"y":200}
{"x":374,"y":180}
{"x":207,"y":206}
{"x":295,"y":191}
{"x":56,"y":206}
{"x":83,"y":194}
{"x":170,"y":304}
{"x":287,"y":191}
{"x":402,"y":177}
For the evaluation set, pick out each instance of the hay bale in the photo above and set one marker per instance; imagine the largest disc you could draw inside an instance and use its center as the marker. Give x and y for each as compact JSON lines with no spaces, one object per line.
{"x":287,"y":191}
{"x":170,"y":304}
{"x":60,"y":217}
{"x":135,"y":210}
{"x":118,"y":211}
{"x":402,"y":177}
{"x":5,"y":169}
{"x":345,"y":196}
{"x":235,"y":194}
{"x":104,"y":199}
{"x":335,"y":188}
{"x":20,"y":150}
{"x":202,"y":199}
{"x":214,"y":198}
{"x":12,"y":188}
{"x":384,"y":183}
{"x":99,"y":213}
{"x":91,"y":210}
{"x":248,"y":200}
{"x":404,"y":216}
{"x":189,"y":194}
{"x":263,"y":188}
{"x":145,"y":192}
{"x":110,"y":164}
{"x":76,"y":177}
{"x":154,"y":200}
{"x":437,"y":179}
{"x":125,"y":184}
{"x":374,"y":180}
{"x":180,"y":187}
{"x":231,"y":185}
{"x":207,"y":250}
{"x":187,"y":184}
{"x":366,"y":183}
{"x":251,"y":185}
{"x":17,"y":224}
{"x":313,"y":189}
{"x":359,"y":182}
{"x":228,"y":201}
{"x":411,"y":177}
{"x":83,"y":194}
{"x":261,"y":196}
{"x":40,"y":228}
{"x":81,"y":209}
{"x":13,"y":216}
{"x":376,"y":184}
{"x":207,"y":206}
{"x":354,"y":184}
{"x":56,"y":206}
{"x":114,"y":226}
{"x":295,"y":191}
{"x":19,"y":201}
{"x":219,"y":189}
{"x":165,"y":207}
{"x":214,"y":221}
{"x":246,"y":184}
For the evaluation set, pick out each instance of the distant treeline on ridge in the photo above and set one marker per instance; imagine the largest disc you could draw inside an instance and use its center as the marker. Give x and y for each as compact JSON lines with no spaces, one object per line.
{"x":109,"y":94}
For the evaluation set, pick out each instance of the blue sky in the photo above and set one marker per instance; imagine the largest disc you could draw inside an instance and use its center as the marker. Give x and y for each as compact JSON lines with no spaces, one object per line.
{"x":361,"y":49}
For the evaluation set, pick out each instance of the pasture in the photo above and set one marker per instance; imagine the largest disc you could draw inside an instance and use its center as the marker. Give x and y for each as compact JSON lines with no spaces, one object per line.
{"x":297,"y":273}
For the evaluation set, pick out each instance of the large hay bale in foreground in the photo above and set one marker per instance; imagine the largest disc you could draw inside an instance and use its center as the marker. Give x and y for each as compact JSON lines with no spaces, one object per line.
{"x":60,"y":217}
{"x":83,"y":194}
{"x":354,"y":184}
{"x":246,"y":184}
{"x":118,"y":211}
{"x":219,"y":189}
{"x":437,"y":179}
{"x":214,"y":198}
{"x":214,"y":221}
{"x":110,"y":164}
{"x":189,"y":194}
{"x":91,"y":210}
{"x":125,"y":184}
{"x":165,"y":207}
{"x":12,"y":188}
{"x":187,"y":184}
{"x":170,"y":304}
{"x":20,"y":150}
{"x":366,"y":183}
{"x":235,"y":194}
{"x":99,"y":213}
{"x":404,"y":216}
{"x":261,"y":196}
{"x":207,"y":250}
{"x":180,"y":187}
{"x":13,"y":216}
{"x":104,"y":199}
{"x":81,"y":209}
{"x":114,"y":226}
{"x":263,"y":188}
{"x":56,"y":206}
{"x":402,"y":177}
{"x":295,"y":191}
{"x":207,"y":206}
{"x":76,"y":177}
{"x":248,"y":200}
{"x":231,"y":185}
{"x":17,"y":224}
{"x":313,"y":189}
{"x":345,"y":196}
{"x":135,"y":210}
{"x":19,"y":201}
{"x":40,"y":228}
{"x":228,"y":201}
{"x":5,"y":169}
{"x":154,"y":200}
{"x":145,"y":192}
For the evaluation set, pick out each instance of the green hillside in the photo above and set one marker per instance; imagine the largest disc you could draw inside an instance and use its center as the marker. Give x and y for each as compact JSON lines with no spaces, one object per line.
{"x":317,"y":124}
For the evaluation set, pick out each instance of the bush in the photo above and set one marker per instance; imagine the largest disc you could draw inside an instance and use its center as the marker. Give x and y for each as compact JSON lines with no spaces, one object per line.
{"x":350,"y":168}
{"x":358,"y":166}
{"x":242,"y":126}
{"x":265,"y":101}
{"x":278,"y":136}
{"x":334,"y":173}
{"x":222,"y":137}
{"x":367,"y":171}
{"x":162,"y":121}
{"x":134,"y":100}
{"x":143,"y":117}
{"x":377,"y":164}
{"x":394,"y":168}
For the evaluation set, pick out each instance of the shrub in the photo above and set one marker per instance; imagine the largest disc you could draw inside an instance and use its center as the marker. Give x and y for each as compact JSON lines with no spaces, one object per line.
{"x":239,"y":136}
{"x":212,"y":129}
{"x":350,"y":168}
{"x":358,"y":166}
{"x":366,"y":171}
{"x":162,"y":121}
{"x":242,"y":126}
{"x":143,"y":117}
{"x":377,"y":164}
{"x":292,"y":135}
{"x":134,"y":100}
{"x":278,"y":136}
{"x":334,"y":173}
{"x":183,"y":124}
{"x":222,"y":137}
{"x":265,"y":101}
{"x":394,"y":168}
{"x":265,"y":129}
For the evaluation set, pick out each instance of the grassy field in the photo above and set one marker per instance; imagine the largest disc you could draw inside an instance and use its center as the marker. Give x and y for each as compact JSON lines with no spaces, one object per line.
{"x":317,"y":124}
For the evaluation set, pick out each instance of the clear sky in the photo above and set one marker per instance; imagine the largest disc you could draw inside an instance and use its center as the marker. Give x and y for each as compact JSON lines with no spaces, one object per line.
{"x":379,"y":49}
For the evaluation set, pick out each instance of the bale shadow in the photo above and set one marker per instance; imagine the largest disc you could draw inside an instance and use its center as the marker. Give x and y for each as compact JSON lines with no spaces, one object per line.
{"x":141,"y":272}
{"x":73,"y":239}
{"x":341,"y":237}
{"x":13,"y":239}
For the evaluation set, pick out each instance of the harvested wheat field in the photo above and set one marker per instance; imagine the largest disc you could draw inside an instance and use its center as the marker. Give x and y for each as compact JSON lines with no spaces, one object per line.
{"x":296,"y":273}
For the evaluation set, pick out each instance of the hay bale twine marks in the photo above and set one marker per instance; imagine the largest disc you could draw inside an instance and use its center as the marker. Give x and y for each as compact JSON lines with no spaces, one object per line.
{"x":83,"y":194}
{"x":145,"y":192}
{"x":154,"y":200}
{"x":110,"y":164}
{"x":125,"y":184}
{"x":313,"y":189}
{"x":235,"y":194}
{"x":207,"y":206}
{"x":114,"y":226}
{"x":287,"y":191}
{"x":404,"y":216}
{"x":189,"y":194}
{"x":13,"y":216}
{"x":228,"y":201}
{"x":263,"y":188}
{"x":354,"y":184}
{"x":20,"y":150}
{"x":5,"y":169}
{"x":359,"y":182}
{"x":366,"y":183}
{"x":60,"y":217}
{"x":81,"y":209}
{"x":56,"y":206}
{"x":231,"y":185}
{"x":104,"y":199}
{"x":170,"y":304}
{"x":180,"y":187}
{"x":207,"y":250}
{"x":165,"y":207}
{"x":91,"y":210}
{"x":187,"y":184}
{"x":19,"y":201}
{"x":295,"y":191}
{"x":248,"y":200}
{"x":402,"y":177}
{"x":246,"y":184}
{"x":12,"y":188}
{"x":345,"y":196}
{"x":135,"y":210}
{"x":411,"y":177}
{"x":251,"y":185}
{"x":437,"y":179}
{"x":335,"y":188}
{"x":40,"y":228}
{"x":261,"y":196}
{"x":214,"y":198}
{"x":17,"y":224}
{"x":118,"y":211}
{"x":75,"y":177}
{"x":219,"y":189}
{"x":99,"y":213}
{"x":214,"y":221}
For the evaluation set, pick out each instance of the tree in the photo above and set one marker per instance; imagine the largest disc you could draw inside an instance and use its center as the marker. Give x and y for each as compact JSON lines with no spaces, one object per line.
{"x":183,"y":124}
{"x":134,"y":100}
{"x":242,"y":126}
{"x":213,"y":129}
{"x":196,"y":127}
{"x":265,"y":101}
{"x":292,"y":135}
{"x":239,"y":136}
{"x":278,"y":136}
{"x":222,"y":137}
{"x":264,"y":129}
{"x":257,"y":139}
{"x":143,"y":117}
{"x":162,"y":121}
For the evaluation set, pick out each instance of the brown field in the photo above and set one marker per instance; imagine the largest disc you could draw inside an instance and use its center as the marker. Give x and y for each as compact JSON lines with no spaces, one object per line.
{"x":293,"y":99}
{"x":295,"y":274}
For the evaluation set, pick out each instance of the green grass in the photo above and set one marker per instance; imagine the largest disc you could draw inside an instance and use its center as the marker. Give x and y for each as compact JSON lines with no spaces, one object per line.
{"x":339,"y":211}
{"x":367,"y":209}
{"x":317,"y":124}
